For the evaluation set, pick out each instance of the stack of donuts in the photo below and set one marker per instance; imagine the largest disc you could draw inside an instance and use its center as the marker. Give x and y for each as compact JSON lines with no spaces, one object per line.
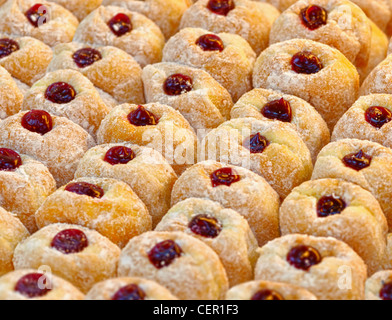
{"x":195,"y":150}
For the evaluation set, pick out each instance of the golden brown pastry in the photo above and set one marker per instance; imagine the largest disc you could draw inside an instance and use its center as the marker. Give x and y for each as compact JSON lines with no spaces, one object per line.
{"x":173,"y":259}
{"x":153,"y":125}
{"x":379,"y":80}
{"x":11,"y":97}
{"x":224,"y":230}
{"x":379,"y":286}
{"x":234,"y":188}
{"x":77,"y":254}
{"x":30,"y":284}
{"x":365,"y":163}
{"x":80,"y":8}
{"x":106,"y":205}
{"x":312,"y":71}
{"x":25,"y":58}
{"x":12,"y":231}
{"x":130,"y":31}
{"x":227,"y":57}
{"x":266,"y":290}
{"x":144,"y":169}
{"x":271,"y":149}
{"x":110,"y":69}
{"x":263,"y":104}
{"x":43,"y":20}
{"x":281,"y":5}
{"x":326,"y":267}
{"x":339,"y":209}
{"x":55,"y":141}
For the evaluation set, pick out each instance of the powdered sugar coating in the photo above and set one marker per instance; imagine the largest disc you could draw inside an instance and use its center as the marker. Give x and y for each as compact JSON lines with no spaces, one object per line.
{"x":11,"y":97}
{"x":375,"y":283}
{"x":80,"y":8}
{"x":379,"y":80}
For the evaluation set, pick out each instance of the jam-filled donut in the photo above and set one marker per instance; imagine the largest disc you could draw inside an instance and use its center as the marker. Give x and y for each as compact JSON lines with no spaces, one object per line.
{"x":108,"y":68}
{"x":224,"y":230}
{"x":270,"y":291}
{"x":155,"y":126}
{"x":339,"y":209}
{"x":187,"y":267}
{"x":12,"y":231}
{"x":69,"y":94}
{"x":11,"y":97}
{"x":379,"y":80}
{"x":25,"y":58}
{"x":379,"y":286}
{"x":251,"y":20}
{"x":77,"y":254}
{"x":326,"y":267}
{"x":312,"y":71}
{"x":125,"y":289}
{"x":30,"y":284}
{"x":144,"y":169}
{"x":24,"y":184}
{"x":166,"y":15}
{"x":80,"y":8}
{"x":234,"y":188}
{"x":365,"y":163}
{"x":227,"y":57}
{"x":130,"y":31}
{"x":272,"y":105}
{"x":271,"y":149}
{"x":55,"y":141}
{"x":193,"y":92}
{"x":43,"y":20}
{"x":106,"y":205}
{"x":367,"y":119}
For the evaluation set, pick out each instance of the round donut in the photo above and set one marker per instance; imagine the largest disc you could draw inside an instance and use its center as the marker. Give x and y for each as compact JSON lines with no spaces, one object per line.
{"x":11,"y":97}
{"x":379,"y":286}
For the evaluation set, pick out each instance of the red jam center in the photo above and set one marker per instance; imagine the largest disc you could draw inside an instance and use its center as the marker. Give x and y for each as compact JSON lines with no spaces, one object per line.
{"x":86,"y":189}
{"x":221,"y":7}
{"x":386,"y":291}
{"x":210,"y":42}
{"x":206,"y":226}
{"x":177,"y":84}
{"x":129,"y":292}
{"x":224,"y":177}
{"x":278,"y":109}
{"x":303,"y":257}
{"x":306,"y":62}
{"x":164,"y":254}
{"x":329,"y":206}
{"x":378,"y":116}
{"x":357,"y":161}
{"x":32,"y":285}
{"x":70,"y":241}
{"x":9,"y":160}
{"x":267,"y":294}
{"x":313,"y":17}
{"x":7,"y":47}
{"x":38,"y":121}
{"x":142,"y":117}
{"x":256,"y":143}
{"x":37,"y":15}
{"x":120,"y":24}
{"x":119,"y":155}
{"x":86,"y":57}
{"x":60,"y":92}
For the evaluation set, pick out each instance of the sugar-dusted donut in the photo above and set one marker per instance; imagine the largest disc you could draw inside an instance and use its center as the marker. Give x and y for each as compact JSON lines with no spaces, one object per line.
{"x":77,"y":254}
{"x":379,"y":286}
{"x":326,"y":267}
{"x":108,"y":68}
{"x":272,"y":105}
{"x":144,"y":169}
{"x":224,"y":230}
{"x":379,"y":80}
{"x":30,"y":284}
{"x":130,"y":31}
{"x":312,"y":71}
{"x":129,"y":289}
{"x":187,"y":267}
{"x":80,"y":8}
{"x":227,"y":57}
{"x":271,"y":149}
{"x":11,"y":97}
{"x":388,"y":256}
{"x":339,"y":209}
{"x":106,"y":205}
{"x":44,"y":20}
{"x":234,"y":188}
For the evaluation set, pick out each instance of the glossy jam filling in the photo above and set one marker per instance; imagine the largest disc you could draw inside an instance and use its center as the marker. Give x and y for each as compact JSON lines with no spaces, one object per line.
{"x":278,"y":110}
{"x":7,"y":47}
{"x":329,"y":206}
{"x":306,"y":63}
{"x":256,"y":143}
{"x":84,"y":188}
{"x":119,"y":155}
{"x":37,"y":15}
{"x":357,"y":161}
{"x":224,"y":177}
{"x":129,"y":292}
{"x":378,"y":116}
{"x":32,"y":285}
{"x":386,"y":291}
{"x":210,"y":42}
{"x":313,"y":17}
{"x":38,"y":121}
{"x":303,"y":257}
{"x":9,"y":160}
{"x":141,"y":117}
{"x":120,"y":24}
{"x":86,"y":57}
{"x":221,"y":7}
{"x":205,"y":226}
{"x":164,"y":253}
{"x":267,"y":294}
{"x":177,"y":84}
{"x":60,"y":92}
{"x":70,"y":241}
